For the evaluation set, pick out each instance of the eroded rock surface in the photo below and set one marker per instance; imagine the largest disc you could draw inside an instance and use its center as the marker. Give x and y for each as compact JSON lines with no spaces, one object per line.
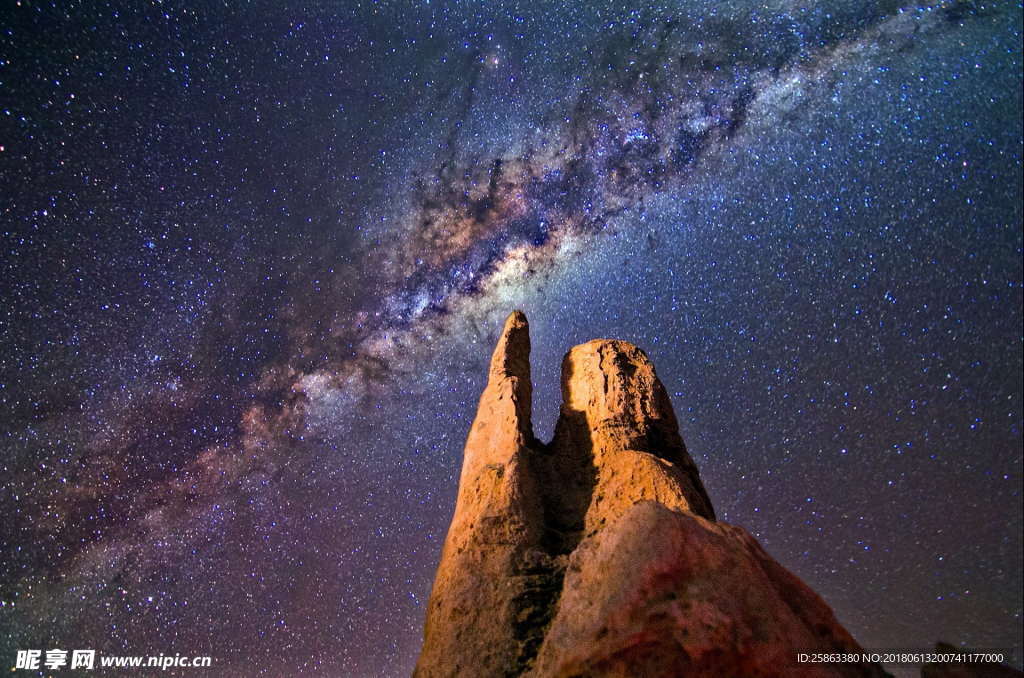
{"x":475,"y":606}
{"x":598,"y":553}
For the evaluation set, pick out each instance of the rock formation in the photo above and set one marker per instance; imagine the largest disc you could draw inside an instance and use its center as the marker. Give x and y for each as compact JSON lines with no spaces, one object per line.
{"x":598,"y":554}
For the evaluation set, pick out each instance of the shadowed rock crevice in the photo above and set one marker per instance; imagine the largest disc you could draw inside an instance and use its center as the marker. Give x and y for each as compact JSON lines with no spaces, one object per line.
{"x":598,"y":554}
{"x":540,"y":583}
{"x":565,"y":476}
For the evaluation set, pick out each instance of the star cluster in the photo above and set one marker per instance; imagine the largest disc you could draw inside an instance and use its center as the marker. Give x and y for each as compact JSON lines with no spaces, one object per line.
{"x":254,"y":259}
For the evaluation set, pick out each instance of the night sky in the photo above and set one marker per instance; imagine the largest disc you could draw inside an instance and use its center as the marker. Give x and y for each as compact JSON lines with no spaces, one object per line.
{"x":254,"y":257}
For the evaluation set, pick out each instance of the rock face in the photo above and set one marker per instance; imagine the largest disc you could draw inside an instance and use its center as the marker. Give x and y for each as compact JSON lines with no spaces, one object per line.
{"x":598,"y":554}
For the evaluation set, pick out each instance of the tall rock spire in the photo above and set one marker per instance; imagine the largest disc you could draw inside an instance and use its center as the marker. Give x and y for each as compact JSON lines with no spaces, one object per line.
{"x":598,"y":553}
{"x":473,"y":608}
{"x":616,"y":413}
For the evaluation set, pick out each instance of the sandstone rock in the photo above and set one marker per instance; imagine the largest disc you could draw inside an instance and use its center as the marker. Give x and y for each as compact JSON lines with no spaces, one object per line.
{"x":665,"y":593}
{"x":598,"y":554}
{"x":617,"y":418}
{"x":474,"y":610}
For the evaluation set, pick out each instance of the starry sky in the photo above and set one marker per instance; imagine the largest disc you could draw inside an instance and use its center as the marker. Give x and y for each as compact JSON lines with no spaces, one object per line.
{"x":254,"y":257}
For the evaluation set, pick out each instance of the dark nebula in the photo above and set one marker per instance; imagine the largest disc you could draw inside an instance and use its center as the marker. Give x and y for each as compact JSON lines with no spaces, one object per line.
{"x":254,"y":259}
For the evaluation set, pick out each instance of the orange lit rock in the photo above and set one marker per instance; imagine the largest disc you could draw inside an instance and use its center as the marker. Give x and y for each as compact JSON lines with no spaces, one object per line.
{"x":598,"y":554}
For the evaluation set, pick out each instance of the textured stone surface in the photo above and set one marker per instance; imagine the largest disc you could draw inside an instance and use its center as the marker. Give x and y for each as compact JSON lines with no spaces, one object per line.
{"x":474,"y":607}
{"x":617,"y":418}
{"x":598,"y":553}
{"x":665,"y":593}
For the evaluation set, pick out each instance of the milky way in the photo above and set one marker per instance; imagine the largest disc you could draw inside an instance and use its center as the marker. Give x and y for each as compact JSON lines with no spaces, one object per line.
{"x":254,"y":261}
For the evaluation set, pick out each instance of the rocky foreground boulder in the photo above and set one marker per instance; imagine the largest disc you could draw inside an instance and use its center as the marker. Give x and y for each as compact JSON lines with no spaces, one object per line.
{"x":598,"y":554}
